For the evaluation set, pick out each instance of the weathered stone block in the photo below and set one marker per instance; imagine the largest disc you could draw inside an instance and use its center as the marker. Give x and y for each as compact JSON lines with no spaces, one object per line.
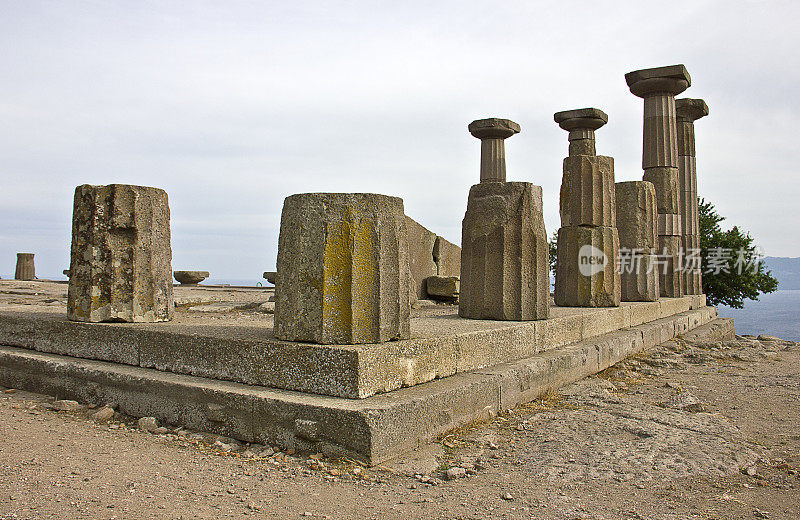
{"x":190,"y":277}
{"x":670,"y":266}
{"x":690,"y":217}
{"x":665,"y":180}
{"x":636,"y":215}
{"x":687,"y":173}
{"x":692,"y":268}
{"x":343,"y":275}
{"x":587,"y":191}
{"x":420,"y":255}
{"x":586,"y":268}
{"x":120,"y":266}
{"x":639,"y":277}
{"x":669,"y":224}
{"x":25,"y":269}
{"x":504,"y":257}
{"x":447,"y":257}
{"x":692,"y":281}
{"x":443,"y":287}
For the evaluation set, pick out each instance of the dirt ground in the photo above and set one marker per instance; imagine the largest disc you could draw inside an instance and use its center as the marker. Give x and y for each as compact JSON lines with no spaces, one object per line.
{"x":708,"y":430}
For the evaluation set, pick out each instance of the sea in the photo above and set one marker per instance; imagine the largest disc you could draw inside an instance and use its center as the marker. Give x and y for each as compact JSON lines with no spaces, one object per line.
{"x":776,"y":314}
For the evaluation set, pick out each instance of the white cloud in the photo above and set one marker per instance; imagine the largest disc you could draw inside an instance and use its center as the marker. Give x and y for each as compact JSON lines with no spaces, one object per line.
{"x":232,"y":106}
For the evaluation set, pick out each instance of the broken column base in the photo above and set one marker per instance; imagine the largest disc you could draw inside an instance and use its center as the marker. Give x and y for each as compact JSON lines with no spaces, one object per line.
{"x":639,"y":278}
{"x":586,"y":270}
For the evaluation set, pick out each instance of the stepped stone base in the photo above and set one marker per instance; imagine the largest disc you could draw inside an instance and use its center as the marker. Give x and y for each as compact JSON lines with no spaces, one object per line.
{"x":246,"y":351}
{"x":371,"y":430}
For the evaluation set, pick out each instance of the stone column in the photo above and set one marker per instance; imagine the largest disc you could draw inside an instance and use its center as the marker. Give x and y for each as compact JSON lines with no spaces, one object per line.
{"x":492,"y":133}
{"x":120,"y":265}
{"x":504,"y":255}
{"x":659,"y":86}
{"x":688,"y":111}
{"x":25,"y":269}
{"x":637,"y":228}
{"x":588,"y":243}
{"x":343,"y":270}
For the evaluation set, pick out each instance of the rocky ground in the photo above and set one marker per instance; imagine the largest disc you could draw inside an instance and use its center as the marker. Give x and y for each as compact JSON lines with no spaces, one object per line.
{"x":705,"y":430}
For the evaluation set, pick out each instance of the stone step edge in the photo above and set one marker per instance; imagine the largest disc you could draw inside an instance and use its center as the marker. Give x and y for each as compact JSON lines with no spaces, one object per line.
{"x":371,"y":430}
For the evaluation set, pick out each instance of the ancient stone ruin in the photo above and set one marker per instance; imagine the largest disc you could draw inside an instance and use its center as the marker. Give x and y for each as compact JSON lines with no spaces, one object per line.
{"x":190,"y":277}
{"x":659,"y":86}
{"x":504,"y":251}
{"x":638,"y":238}
{"x":688,"y":111}
{"x":586,"y":268}
{"x":345,"y":366}
{"x":343,"y":275}
{"x":120,"y":261}
{"x":25,"y":269}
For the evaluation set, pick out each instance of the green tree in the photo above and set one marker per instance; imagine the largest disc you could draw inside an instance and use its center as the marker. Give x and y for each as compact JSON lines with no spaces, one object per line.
{"x":726,"y":279}
{"x":553,"y":251}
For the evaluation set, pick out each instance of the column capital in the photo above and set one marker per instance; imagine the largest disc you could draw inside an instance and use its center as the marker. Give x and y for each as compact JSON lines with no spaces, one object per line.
{"x":581,"y":124}
{"x":581,"y":119}
{"x":672,"y":79}
{"x":688,"y":109}
{"x":493,"y":128}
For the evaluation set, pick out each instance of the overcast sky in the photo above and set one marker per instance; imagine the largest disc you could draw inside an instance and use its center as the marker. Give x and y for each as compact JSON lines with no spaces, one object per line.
{"x":232,"y":106}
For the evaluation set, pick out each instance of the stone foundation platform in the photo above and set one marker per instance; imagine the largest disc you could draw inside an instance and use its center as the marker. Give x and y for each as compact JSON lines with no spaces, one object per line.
{"x":372,"y":429}
{"x":197,"y":371}
{"x":232,"y":348}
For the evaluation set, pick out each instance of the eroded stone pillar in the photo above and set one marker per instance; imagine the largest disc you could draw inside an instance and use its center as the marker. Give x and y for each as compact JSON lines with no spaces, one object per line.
{"x":658,"y":87}
{"x":588,"y":244}
{"x":688,"y":111}
{"x":120,"y":262}
{"x":638,"y":239}
{"x":504,"y":251}
{"x":25,"y":269}
{"x":343,"y":269}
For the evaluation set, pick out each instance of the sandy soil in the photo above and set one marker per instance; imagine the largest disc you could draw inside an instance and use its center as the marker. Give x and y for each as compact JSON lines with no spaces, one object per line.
{"x":708,"y":430}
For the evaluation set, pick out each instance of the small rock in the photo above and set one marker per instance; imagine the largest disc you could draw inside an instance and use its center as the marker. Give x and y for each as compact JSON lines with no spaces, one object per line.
{"x":454,"y":473}
{"x":684,"y":401}
{"x":507,"y":496}
{"x":267,"y":308}
{"x":760,"y":514}
{"x":290,"y":451}
{"x":750,"y":470}
{"x":104,"y":414}
{"x":767,"y":337}
{"x":252,"y":506}
{"x":65,"y":405}
{"x":221,"y":446}
{"x":10,"y":391}
{"x":147,"y":424}
{"x":161,"y":430}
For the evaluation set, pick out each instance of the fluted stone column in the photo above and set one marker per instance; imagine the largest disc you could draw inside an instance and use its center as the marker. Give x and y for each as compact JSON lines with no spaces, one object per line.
{"x":25,"y":268}
{"x":688,"y":111}
{"x":343,"y":271}
{"x":588,"y":243}
{"x":504,"y":255}
{"x":637,"y":225}
{"x":659,"y":86}
{"x":120,"y":262}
